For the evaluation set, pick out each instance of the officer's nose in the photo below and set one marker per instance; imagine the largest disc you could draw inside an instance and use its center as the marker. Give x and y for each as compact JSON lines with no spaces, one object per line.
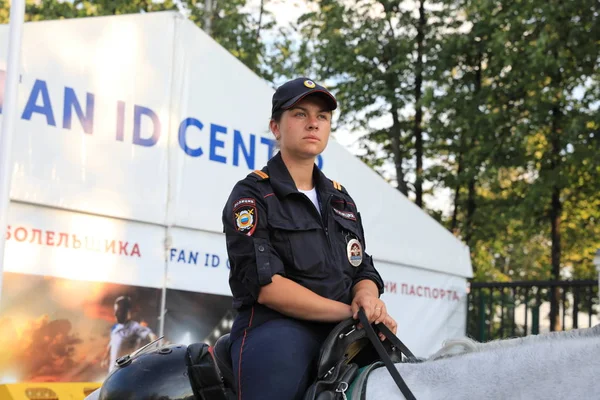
{"x":313,"y":123}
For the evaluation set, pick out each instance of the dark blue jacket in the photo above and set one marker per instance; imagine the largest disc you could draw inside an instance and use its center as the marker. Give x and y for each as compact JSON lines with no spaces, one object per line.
{"x":272,"y":228}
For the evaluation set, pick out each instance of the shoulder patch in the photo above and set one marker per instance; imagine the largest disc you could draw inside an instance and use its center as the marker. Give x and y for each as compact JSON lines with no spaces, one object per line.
{"x":337,"y":186}
{"x":245,"y":216}
{"x":260,"y":174}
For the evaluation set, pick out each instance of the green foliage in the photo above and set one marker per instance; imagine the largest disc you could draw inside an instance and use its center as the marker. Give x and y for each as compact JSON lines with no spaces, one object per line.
{"x":510,"y":100}
{"x":511,"y":104}
{"x":536,"y":109}
{"x":238,"y":31}
{"x":231,"y":26}
{"x":366,"y":50}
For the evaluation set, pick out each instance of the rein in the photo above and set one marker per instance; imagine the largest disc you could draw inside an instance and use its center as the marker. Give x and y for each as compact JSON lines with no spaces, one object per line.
{"x":374,"y":339}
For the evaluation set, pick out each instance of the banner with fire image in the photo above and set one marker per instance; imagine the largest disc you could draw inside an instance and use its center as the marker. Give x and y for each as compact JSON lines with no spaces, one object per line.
{"x":79,"y":291}
{"x":61,"y":330}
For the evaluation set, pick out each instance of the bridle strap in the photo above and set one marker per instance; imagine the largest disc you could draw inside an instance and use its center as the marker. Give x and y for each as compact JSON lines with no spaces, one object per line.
{"x":396,"y":341}
{"x":384,"y":355}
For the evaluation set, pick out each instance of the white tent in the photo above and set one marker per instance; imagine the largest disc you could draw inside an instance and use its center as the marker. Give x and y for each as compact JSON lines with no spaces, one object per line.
{"x":132,"y":131}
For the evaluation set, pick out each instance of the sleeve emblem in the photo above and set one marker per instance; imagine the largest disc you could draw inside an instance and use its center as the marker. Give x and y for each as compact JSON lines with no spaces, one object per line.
{"x":245,"y":216}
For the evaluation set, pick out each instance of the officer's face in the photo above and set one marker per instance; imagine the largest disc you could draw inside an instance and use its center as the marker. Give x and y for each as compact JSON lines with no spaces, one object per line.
{"x":303,"y":131}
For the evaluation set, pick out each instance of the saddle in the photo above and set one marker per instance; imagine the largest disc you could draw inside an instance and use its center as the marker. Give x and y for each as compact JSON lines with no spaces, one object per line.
{"x":222,"y":355}
{"x":346,"y":350}
{"x":206,"y":375}
{"x":349,"y":353}
{"x":343,"y":343}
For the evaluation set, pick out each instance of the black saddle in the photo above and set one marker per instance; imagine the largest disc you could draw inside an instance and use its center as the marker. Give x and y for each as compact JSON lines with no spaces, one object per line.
{"x":222,"y":355}
{"x":341,"y":343}
{"x":345,"y":344}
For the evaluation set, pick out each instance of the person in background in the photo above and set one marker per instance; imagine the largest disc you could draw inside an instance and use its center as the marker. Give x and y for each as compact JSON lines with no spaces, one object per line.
{"x":126,"y":335}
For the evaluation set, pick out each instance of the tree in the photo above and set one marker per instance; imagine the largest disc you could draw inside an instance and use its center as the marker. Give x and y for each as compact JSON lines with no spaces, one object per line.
{"x":234,"y":28}
{"x":231,"y":25}
{"x":556,"y":58}
{"x":537,"y":172}
{"x":377,"y":56}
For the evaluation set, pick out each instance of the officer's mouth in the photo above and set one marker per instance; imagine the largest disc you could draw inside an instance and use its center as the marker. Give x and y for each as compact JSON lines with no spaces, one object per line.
{"x":312,"y":138}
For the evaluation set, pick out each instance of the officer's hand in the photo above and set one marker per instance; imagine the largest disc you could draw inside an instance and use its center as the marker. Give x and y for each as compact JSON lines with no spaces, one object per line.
{"x":374,"y":307}
{"x":391,"y":324}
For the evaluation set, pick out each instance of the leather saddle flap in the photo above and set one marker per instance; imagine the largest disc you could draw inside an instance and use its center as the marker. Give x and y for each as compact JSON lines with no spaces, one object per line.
{"x":339,"y":344}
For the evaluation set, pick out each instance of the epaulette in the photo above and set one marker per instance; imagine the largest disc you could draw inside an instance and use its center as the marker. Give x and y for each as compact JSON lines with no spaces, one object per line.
{"x":258,"y":174}
{"x":338,"y":186}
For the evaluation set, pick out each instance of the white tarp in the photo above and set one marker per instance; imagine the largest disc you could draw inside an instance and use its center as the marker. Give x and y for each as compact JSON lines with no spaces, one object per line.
{"x":135,"y":128}
{"x":428,"y":305}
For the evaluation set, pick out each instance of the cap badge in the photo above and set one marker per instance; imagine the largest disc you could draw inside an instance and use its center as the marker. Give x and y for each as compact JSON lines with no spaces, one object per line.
{"x":309,"y":84}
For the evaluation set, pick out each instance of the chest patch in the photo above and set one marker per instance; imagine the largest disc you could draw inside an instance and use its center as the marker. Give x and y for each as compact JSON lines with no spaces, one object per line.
{"x":345,"y":214}
{"x":245,"y":216}
{"x":354,"y":252}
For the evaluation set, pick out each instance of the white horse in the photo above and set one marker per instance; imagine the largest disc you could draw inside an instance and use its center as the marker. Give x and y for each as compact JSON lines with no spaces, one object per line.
{"x":557,"y":365}
{"x":464,"y":345}
{"x":554,"y":365}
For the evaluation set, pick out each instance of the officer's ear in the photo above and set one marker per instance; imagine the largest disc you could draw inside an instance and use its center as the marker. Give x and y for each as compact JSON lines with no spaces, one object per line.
{"x":274,"y":126}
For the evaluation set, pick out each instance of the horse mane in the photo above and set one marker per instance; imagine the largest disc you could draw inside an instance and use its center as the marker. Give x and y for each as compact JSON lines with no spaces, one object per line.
{"x":454,"y":347}
{"x":459,"y":346}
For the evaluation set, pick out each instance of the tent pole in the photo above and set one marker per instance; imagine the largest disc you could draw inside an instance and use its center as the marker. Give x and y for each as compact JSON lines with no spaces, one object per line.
{"x":9,"y":111}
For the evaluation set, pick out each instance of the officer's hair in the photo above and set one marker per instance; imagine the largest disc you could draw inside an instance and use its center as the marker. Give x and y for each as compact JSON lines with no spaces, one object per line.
{"x":277,"y":115}
{"x":277,"y":118}
{"x":124,"y":301}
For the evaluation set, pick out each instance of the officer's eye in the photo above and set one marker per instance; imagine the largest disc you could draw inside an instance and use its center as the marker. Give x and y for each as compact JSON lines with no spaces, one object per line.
{"x":300,"y":114}
{"x":324,"y":117}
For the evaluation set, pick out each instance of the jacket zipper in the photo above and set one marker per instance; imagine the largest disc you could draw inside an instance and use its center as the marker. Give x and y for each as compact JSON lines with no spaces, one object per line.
{"x":324,"y":207}
{"x":324,"y":220}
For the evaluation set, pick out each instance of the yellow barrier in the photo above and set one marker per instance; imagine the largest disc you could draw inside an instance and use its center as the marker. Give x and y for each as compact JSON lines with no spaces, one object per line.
{"x":47,"y":391}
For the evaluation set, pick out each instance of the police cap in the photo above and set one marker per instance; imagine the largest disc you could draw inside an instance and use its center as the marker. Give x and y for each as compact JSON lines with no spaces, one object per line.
{"x":290,"y":93}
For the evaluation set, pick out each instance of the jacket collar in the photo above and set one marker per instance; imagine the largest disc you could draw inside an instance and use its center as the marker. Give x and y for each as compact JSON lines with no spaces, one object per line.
{"x":282,"y":181}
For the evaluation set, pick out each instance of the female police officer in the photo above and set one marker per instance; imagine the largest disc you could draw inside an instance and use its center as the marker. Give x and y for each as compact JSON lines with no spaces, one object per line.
{"x":295,"y":243}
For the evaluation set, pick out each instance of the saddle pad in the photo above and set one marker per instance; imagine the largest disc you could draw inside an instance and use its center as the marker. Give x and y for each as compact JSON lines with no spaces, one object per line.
{"x":357,"y":389}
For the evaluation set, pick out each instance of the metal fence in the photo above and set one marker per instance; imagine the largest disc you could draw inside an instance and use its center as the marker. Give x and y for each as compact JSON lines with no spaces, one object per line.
{"x":509,"y":309}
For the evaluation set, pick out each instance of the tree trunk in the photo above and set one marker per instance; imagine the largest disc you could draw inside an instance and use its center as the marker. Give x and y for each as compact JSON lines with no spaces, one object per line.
{"x":472,"y":169}
{"x":396,"y":129}
{"x":555,"y":216}
{"x":418,"y":129}
{"x":459,"y":171}
{"x":471,"y":207}
{"x":208,"y":13}
{"x":396,"y":132}
{"x":260,"y":15}
{"x":555,"y":202}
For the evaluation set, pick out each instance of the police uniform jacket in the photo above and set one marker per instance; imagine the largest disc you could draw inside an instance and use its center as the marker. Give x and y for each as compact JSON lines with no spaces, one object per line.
{"x":272,"y":228}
